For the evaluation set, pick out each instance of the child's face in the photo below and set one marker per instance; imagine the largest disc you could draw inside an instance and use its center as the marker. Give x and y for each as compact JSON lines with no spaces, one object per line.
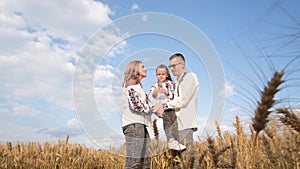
{"x":161,"y":74}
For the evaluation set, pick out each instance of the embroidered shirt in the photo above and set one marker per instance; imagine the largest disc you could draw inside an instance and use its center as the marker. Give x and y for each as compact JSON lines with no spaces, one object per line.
{"x":185,"y":101}
{"x":136,"y":106}
{"x":169,"y":86}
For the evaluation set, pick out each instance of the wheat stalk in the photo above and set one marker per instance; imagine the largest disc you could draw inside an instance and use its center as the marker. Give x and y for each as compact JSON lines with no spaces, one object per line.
{"x":212,"y":150}
{"x":233,"y":155}
{"x":219,"y":132}
{"x":263,"y":109}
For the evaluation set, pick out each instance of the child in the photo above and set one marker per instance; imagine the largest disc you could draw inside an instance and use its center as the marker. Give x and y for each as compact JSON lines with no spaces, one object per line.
{"x":161,"y":92}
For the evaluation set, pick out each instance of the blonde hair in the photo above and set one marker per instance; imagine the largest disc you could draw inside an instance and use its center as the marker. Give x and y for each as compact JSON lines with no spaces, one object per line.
{"x":132,"y":72}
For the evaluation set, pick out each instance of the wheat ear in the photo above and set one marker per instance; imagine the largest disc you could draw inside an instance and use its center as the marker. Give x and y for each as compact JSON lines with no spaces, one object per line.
{"x":155,"y":129}
{"x":267,"y":100}
{"x":289,"y":119}
{"x":263,"y":109}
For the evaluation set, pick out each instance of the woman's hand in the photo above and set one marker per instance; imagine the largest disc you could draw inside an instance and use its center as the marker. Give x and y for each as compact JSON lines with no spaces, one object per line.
{"x":154,"y":94}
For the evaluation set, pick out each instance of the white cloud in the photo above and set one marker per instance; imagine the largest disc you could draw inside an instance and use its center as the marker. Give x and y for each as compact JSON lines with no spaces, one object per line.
{"x":134,"y":7}
{"x":71,"y":20}
{"x":228,"y":90}
{"x":39,"y":46}
{"x":60,"y":132}
{"x":21,"y":109}
{"x":104,"y":75}
{"x":72,"y":122}
{"x":12,"y":132}
{"x":104,"y":44}
{"x":145,"y":18}
{"x":106,"y":142}
{"x":107,"y":102}
{"x":227,"y":128}
{"x":32,"y":134}
{"x":38,"y":72}
{"x":234,"y":109}
{"x":207,"y":127}
{"x":118,"y":49}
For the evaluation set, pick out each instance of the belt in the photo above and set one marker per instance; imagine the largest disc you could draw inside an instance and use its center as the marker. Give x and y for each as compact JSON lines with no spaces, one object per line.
{"x":170,"y":110}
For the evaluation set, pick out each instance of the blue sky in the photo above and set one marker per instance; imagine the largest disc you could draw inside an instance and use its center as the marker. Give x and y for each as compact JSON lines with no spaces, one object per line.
{"x":46,"y":45}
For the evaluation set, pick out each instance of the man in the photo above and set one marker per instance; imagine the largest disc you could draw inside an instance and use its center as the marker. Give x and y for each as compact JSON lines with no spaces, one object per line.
{"x":185,"y":99}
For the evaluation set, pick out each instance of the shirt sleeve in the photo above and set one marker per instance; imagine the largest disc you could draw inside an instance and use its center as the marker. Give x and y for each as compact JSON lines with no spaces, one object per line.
{"x":152,"y":90}
{"x":170,"y":88}
{"x":187,"y":88}
{"x":135,"y":103}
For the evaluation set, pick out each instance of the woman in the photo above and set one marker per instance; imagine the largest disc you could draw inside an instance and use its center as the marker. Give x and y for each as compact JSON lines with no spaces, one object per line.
{"x":136,"y":117}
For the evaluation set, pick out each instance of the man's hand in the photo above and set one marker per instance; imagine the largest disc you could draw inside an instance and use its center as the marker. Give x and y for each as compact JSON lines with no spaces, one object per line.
{"x":158,"y":109}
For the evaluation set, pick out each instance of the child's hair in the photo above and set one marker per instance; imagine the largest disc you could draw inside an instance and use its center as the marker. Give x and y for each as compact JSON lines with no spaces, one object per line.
{"x":162,"y":66}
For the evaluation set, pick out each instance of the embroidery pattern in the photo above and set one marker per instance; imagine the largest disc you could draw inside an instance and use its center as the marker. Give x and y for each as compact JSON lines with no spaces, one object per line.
{"x":170,"y":89}
{"x":168,"y":85}
{"x":135,"y":103}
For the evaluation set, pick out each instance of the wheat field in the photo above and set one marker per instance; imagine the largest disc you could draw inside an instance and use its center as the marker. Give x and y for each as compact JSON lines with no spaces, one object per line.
{"x":277,"y":147}
{"x":274,"y":143}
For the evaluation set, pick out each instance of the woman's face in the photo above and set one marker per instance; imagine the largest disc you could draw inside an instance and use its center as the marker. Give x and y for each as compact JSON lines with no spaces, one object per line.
{"x":142,"y":71}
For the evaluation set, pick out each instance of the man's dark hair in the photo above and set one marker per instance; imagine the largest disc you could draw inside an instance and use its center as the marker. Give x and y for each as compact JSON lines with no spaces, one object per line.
{"x":177,"y":55}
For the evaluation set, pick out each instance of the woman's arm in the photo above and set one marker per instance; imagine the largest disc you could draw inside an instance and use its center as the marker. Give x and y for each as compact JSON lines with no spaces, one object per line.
{"x":136,"y":103}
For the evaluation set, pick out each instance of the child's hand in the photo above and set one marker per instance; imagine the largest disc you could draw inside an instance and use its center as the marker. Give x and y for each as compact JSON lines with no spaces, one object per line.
{"x":162,"y":90}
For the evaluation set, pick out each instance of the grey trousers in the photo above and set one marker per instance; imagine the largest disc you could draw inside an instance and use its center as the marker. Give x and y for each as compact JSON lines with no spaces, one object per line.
{"x":170,"y":124}
{"x":137,"y":143}
{"x":186,"y":135}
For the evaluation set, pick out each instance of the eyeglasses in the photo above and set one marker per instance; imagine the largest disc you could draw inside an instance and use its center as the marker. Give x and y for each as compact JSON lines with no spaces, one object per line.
{"x":174,"y":65}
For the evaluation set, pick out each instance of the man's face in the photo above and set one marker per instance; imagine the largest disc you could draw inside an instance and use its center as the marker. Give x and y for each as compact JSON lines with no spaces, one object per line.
{"x":176,"y":65}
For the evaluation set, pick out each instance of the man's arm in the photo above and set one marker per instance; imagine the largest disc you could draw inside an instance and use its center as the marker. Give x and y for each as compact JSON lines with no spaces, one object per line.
{"x":187,"y":89}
